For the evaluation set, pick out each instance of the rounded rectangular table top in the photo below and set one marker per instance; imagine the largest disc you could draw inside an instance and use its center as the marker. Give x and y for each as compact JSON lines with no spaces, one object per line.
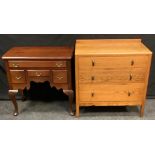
{"x":110,"y":47}
{"x":39,"y":52}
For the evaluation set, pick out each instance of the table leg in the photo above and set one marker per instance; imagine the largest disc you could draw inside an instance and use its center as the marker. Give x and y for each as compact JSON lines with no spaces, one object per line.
{"x":77,"y":110}
{"x":12,"y":94}
{"x":142,"y":110}
{"x":70,"y":94}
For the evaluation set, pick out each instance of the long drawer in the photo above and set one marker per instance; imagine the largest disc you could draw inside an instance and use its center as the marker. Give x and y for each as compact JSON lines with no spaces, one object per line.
{"x":110,"y":76}
{"x":94,"y":62}
{"x":32,"y":64}
{"x":100,"y":92}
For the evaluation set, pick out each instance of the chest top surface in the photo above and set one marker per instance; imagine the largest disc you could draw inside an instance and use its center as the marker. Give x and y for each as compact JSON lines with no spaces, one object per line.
{"x":111,"y":47}
{"x":39,"y":52}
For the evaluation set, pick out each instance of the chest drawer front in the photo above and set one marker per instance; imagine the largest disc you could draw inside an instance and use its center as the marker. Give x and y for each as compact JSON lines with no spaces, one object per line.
{"x":30,"y":64}
{"x":18,"y":76}
{"x":94,"y":62}
{"x":59,"y":76}
{"x":112,"y":76}
{"x":38,"y":73}
{"x":101,"y":92}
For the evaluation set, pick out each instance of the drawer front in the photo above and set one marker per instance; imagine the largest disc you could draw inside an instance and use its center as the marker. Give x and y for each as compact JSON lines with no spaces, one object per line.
{"x":110,"y":76}
{"x":99,"y":92}
{"x":39,"y":79}
{"x":89,"y":63}
{"x":59,"y":76}
{"x":18,"y":76}
{"x":38,"y":73}
{"x":30,"y":64}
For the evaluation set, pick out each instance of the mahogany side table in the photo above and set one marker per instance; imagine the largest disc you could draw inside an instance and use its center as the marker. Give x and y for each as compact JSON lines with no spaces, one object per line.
{"x":38,"y":64}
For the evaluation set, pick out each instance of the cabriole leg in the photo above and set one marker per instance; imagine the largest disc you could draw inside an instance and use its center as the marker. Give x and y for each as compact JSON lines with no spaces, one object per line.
{"x":12,"y":95}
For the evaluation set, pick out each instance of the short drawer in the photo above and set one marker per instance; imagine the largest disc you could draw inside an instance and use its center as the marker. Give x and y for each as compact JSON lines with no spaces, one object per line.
{"x":18,"y":76}
{"x":89,"y":63}
{"x":100,"y":92}
{"x":59,"y":76}
{"x":111,"y":76}
{"x":30,"y":64}
{"x":38,"y":73}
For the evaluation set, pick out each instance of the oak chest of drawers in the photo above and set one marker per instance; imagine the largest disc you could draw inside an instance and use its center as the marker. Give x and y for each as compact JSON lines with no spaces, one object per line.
{"x":111,"y":73}
{"x":38,"y":64}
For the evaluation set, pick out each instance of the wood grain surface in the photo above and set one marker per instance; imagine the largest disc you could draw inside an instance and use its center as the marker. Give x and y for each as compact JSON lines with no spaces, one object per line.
{"x":111,"y":72}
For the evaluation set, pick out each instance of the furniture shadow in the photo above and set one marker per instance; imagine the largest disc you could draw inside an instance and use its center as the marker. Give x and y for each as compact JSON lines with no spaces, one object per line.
{"x":109,"y":109}
{"x":43,"y":97}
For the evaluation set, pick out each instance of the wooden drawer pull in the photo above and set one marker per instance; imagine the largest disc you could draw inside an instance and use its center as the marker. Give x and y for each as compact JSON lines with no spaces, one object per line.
{"x":129,"y":93}
{"x":59,"y":77}
{"x":15,"y":65}
{"x":58,"y":64}
{"x":93,"y":63}
{"x":92,"y":94}
{"x":130,"y":77}
{"x":132,"y":62}
{"x":92,"y":78}
{"x":18,"y":78}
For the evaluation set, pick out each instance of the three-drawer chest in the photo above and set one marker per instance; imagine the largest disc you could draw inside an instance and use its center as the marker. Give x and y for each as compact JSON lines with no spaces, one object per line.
{"x":111,"y":72}
{"x":39,"y":64}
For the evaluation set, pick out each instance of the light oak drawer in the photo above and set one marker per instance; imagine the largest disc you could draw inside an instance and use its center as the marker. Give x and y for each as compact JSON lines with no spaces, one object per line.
{"x":100,"y":92}
{"x":89,"y":63}
{"x":38,"y":73}
{"x":111,"y":76}
{"x":17,"y":76}
{"x":59,"y":76}
{"x":30,"y":64}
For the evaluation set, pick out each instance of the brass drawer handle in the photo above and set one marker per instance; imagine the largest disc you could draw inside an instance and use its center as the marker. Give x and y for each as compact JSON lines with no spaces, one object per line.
{"x":38,"y":74}
{"x":59,"y":77}
{"x":15,"y":65}
{"x":58,"y":64}
{"x":18,"y":78}
{"x":93,"y":63}
{"x":92,"y":78}
{"x":92,"y":94}
{"x":130,"y":77}
{"x":132,"y":62}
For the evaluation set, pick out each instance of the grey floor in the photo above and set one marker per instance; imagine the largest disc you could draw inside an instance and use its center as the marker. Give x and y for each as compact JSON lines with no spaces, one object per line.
{"x":58,"y":110}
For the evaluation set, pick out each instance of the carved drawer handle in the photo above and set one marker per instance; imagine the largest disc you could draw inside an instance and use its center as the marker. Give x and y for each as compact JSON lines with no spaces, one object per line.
{"x":58,"y":64}
{"x":18,"y":78}
{"x":129,"y":93}
{"x":59,"y":77}
{"x":92,"y":78}
{"x":130,"y":77}
{"x":132,"y":62}
{"x":93,"y":63}
{"x":92,"y":94}
{"x":15,"y":65}
{"x":38,"y":74}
